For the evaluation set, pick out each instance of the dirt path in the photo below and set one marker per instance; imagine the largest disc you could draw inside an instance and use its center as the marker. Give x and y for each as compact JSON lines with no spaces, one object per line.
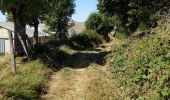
{"x":84,"y":77}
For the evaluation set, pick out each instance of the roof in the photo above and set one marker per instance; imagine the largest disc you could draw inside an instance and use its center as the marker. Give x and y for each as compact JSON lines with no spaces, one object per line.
{"x":78,"y":27}
{"x":29,"y":30}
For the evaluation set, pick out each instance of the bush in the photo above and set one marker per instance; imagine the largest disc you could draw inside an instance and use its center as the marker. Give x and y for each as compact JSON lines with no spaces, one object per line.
{"x":93,"y":22}
{"x":87,"y":38}
{"x":93,"y":36}
{"x":100,"y":23}
{"x":142,"y":67}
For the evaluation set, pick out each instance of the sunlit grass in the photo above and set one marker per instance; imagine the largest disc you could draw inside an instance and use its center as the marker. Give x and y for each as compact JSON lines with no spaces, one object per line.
{"x":26,"y":84}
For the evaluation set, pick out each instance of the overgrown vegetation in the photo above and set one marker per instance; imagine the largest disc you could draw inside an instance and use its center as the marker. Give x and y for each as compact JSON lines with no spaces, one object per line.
{"x":134,"y":14}
{"x":58,"y":15}
{"x":100,"y":23}
{"x":87,"y":38}
{"x":141,"y":64}
{"x":27,"y":84}
{"x":99,"y":86}
{"x":142,"y":67}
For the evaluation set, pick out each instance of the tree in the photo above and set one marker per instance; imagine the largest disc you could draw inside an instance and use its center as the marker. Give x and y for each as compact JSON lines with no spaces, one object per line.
{"x":100,"y":23}
{"x":133,"y":13}
{"x":60,"y":12}
{"x":93,"y":22}
{"x":33,"y":16}
{"x":19,"y":11}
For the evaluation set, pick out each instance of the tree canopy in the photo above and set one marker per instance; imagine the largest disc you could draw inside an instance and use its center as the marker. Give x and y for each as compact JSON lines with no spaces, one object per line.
{"x":59,"y":14}
{"x":21,"y":11}
{"x":100,"y":23}
{"x":133,"y":13}
{"x":55,"y":14}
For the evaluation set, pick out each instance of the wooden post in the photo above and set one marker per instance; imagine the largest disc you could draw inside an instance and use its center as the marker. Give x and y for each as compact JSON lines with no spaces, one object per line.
{"x":24,"y":46}
{"x":12,"y":54}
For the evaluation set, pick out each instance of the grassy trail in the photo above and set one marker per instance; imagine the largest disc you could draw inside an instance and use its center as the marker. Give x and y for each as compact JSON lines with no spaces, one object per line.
{"x":84,"y":78}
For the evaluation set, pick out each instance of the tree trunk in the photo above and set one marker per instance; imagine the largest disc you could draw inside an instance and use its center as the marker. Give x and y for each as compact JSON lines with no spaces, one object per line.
{"x":20,"y":36}
{"x":35,"y":37}
{"x":17,"y":44}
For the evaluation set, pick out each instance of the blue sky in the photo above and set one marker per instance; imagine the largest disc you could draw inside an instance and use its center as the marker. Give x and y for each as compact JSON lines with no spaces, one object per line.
{"x":83,"y":9}
{"x":2,"y":17}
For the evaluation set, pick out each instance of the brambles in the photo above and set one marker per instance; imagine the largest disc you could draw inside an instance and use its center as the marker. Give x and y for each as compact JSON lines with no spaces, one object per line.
{"x":142,"y":67}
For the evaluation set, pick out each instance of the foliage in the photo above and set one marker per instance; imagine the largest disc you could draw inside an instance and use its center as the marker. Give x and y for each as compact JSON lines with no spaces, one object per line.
{"x":27,"y":84}
{"x":100,"y":23}
{"x":142,"y":67}
{"x":9,"y":17}
{"x":22,"y":12}
{"x":93,"y":36}
{"x":87,"y":38}
{"x":32,"y":8}
{"x":93,"y":22}
{"x":59,"y":15}
{"x":120,"y":34}
{"x":132,"y":14}
{"x":36,"y":10}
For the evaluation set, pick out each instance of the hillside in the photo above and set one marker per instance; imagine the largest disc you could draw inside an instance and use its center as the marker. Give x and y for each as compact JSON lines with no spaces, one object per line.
{"x":141,"y":67}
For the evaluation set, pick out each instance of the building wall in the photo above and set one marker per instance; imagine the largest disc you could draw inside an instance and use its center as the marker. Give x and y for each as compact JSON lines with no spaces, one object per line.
{"x":3,"y":33}
{"x":7,"y":46}
{"x":5,"y":37}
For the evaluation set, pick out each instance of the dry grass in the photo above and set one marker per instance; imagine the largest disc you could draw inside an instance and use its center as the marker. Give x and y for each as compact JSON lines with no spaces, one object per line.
{"x":92,"y":83}
{"x":100,"y":85}
{"x":26,"y":84}
{"x":67,"y":49}
{"x":61,"y":85}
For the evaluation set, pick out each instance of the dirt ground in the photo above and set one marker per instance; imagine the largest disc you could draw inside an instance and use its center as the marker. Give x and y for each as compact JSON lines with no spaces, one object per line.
{"x":85,"y":76}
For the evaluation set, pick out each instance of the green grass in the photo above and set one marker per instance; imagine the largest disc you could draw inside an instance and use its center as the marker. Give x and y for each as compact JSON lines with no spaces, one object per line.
{"x":142,"y":67}
{"x":26,"y":84}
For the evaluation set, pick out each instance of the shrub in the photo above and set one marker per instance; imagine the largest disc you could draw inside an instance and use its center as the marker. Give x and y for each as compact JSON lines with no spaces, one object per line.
{"x":142,"y":67}
{"x":93,"y":22}
{"x":92,"y":36}
{"x":87,"y":38}
{"x":100,"y":23}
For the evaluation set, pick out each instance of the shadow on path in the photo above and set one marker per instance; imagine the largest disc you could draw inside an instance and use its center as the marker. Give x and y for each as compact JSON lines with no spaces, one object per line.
{"x":79,"y":59}
{"x":82,"y":60}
